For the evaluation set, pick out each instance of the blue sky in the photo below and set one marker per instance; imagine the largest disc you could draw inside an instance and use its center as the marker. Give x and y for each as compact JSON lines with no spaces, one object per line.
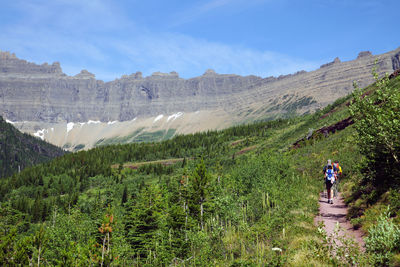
{"x":260,"y":37}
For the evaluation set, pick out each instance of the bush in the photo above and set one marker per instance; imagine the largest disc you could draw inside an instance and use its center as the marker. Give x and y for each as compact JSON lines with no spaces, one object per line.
{"x":378,"y":126}
{"x":383,"y":240}
{"x":394,"y":198}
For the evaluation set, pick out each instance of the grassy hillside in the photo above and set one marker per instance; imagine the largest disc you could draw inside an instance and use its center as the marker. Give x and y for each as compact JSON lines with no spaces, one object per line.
{"x":244,"y":196}
{"x":371,"y":173}
{"x":18,"y":150}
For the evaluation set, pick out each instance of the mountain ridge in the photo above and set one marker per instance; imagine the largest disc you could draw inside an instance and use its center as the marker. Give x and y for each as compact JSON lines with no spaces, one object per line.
{"x":134,"y":95}
{"x":42,"y":97}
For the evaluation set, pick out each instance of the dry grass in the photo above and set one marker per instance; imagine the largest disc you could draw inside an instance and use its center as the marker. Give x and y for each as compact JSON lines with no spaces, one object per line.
{"x":246,"y":149}
{"x":135,"y":165}
{"x":237,"y":142}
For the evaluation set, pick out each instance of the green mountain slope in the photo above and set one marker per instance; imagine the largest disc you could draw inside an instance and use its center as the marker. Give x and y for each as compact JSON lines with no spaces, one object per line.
{"x":371,"y":172}
{"x":244,"y":196}
{"x":18,"y":150}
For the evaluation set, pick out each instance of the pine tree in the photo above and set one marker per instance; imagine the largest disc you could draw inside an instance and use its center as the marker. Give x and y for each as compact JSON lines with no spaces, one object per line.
{"x":124,"y":195}
{"x":144,"y":219}
{"x":184,"y":162}
{"x":37,"y":210}
{"x":200,"y":191}
{"x":41,"y":183}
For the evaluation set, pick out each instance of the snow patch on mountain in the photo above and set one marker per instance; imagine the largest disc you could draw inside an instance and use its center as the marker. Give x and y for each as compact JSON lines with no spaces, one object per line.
{"x":93,"y":122}
{"x":70,"y":125}
{"x":40,"y":133}
{"x":159,"y":117}
{"x":174,"y":116}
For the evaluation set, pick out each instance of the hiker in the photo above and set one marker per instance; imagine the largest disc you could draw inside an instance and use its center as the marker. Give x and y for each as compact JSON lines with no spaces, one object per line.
{"x":329,"y":171}
{"x":338,"y":170}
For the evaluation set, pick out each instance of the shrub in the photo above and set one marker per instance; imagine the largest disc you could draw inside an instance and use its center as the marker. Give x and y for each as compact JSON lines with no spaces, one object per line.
{"x":378,"y":127}
{"x":383,"y":240}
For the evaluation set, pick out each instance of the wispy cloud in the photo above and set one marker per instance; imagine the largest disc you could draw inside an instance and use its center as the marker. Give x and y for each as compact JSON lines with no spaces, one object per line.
{"x":191,"y":56}
{"x":199,"y":10}
{"x":211,"y":5}
{"x":95,"y":35}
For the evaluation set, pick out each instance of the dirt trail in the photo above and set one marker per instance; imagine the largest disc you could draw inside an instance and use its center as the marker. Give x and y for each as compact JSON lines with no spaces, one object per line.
{"x":330,"y":214}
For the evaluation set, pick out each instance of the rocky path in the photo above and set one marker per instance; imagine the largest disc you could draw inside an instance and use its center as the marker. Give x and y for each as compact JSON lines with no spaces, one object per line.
{"x":330,"y":214}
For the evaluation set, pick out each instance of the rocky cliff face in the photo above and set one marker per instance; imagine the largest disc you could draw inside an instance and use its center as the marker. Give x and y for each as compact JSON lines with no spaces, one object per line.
{"x":14,"y":67}
{"x":44,"y":94}
{"x":30,"y":92}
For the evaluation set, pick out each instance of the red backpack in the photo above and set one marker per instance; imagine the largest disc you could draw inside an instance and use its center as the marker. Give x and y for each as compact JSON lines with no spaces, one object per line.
{"x":336,"y":165}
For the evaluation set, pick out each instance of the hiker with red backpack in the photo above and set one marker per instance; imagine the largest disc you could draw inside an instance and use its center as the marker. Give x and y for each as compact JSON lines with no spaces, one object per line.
{"x":330,"y":172}
{"x":338,"y":169}
{"x":338,"y":178}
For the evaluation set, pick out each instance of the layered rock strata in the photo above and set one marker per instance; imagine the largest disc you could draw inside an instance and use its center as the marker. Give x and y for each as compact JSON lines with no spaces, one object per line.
{"x":31,"y":92}
{"x":42,"y":100}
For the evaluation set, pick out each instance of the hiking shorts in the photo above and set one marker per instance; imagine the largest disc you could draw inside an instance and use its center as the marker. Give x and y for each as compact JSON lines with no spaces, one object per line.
{"x":328,"y":184}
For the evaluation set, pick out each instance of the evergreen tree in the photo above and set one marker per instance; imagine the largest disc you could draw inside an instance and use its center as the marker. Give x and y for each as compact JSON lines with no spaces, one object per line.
{"x":37,"y":211}
{"x":184,"y":162}
{"x":145,"y":218}
{"x":41,"y":183}
{"x":199,"y":191}
{"x":124,"y":195}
